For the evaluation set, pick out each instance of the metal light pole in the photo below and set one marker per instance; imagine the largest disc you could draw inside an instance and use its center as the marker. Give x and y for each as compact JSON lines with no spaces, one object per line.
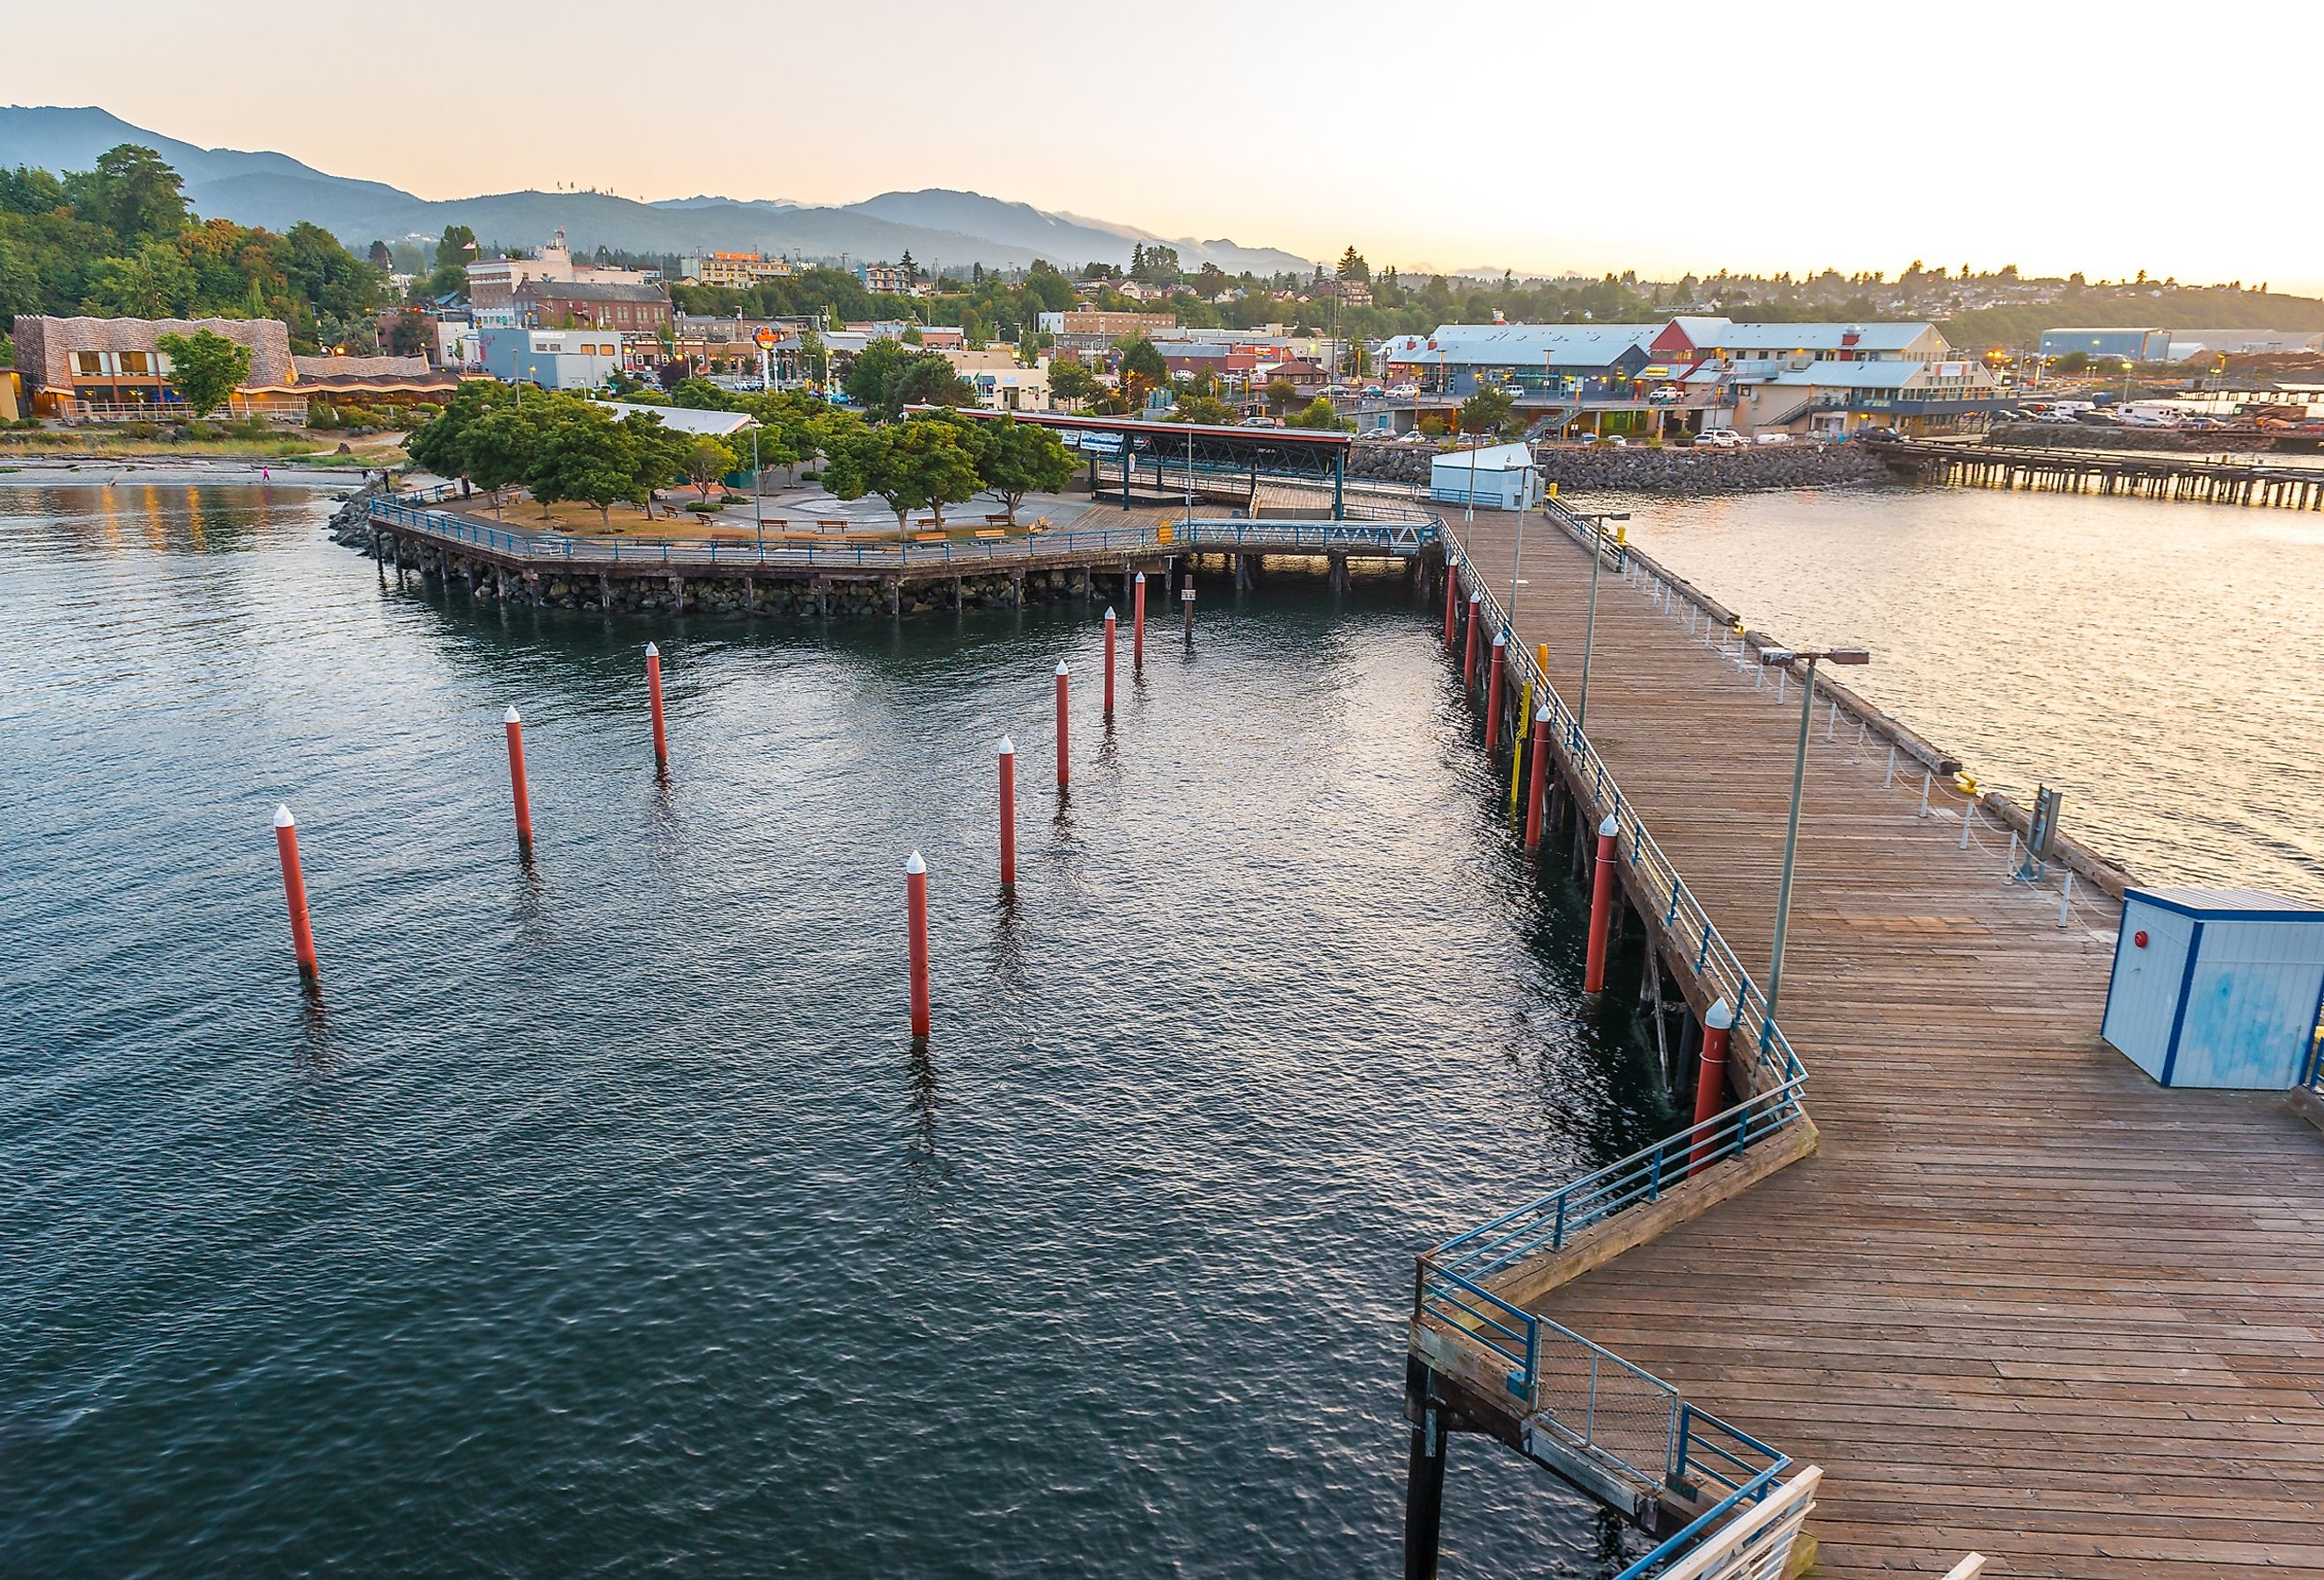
{"x":758,"y":494}
{"x":1590,"y":626}
{"x":1774,"y":656}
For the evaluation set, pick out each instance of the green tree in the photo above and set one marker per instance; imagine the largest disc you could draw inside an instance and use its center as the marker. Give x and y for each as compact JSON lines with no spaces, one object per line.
{"x":920,"y":465}
{"x":1353,"y":267}
{"x":658,"y":455}
{"x":453,"y":249}
{"x":1320,"y":413}
{"x":501,"y":445}
{"x":1280,"y":394}
{"x":205,"y":368}
{"x":1210,"y":281}
{"x":1071,"y":381}
{"x":439,"y":445}
{"x":1487,"y":411}
{"x":1017,"y":458}
{"x":131,"y":191}
{"x":584,"y":455}
{"x":707,"y":460}
{"x":1142,"y":369}
{"x":868,"y":377}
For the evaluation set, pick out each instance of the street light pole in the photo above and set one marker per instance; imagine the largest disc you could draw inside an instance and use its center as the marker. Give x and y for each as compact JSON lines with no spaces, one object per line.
{"x":1773,"y":656}
{"x":758,"y":493}
{"x":1590,"y":626}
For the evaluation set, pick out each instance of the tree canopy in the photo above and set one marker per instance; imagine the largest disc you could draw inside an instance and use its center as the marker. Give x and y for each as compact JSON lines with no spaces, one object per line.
{"x":205,"y":368}
{"x":924,"y":464}
{"x":117,"y":241}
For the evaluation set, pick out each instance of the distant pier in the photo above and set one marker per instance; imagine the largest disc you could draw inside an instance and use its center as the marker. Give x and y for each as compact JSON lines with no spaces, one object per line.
{"x":2188,"y":477}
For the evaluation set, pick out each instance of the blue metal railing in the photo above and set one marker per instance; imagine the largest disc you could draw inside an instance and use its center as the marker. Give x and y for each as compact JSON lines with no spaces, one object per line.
{"x":1542,"y":1359}
{"x":1401,"y":533}
{"x":1545,"y":1225}
{"x":1707,"y":1523}
{"x":1684,"y":918}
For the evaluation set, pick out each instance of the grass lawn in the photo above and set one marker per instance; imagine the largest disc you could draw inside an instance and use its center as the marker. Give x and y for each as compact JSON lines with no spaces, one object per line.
{"x":81,"y":441}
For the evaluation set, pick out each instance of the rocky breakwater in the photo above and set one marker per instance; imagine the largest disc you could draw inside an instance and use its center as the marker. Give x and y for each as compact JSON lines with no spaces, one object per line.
{"x":1651,"y":468}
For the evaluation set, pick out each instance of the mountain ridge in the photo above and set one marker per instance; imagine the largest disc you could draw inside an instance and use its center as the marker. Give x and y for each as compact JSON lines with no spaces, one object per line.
{"x":933,"y":224}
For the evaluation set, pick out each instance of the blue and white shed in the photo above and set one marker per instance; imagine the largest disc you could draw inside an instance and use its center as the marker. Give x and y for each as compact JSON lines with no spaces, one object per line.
{"x":2217,"y":987}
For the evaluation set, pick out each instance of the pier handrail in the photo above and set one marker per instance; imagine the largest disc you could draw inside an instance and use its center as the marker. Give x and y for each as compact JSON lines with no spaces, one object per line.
{"x":1684,"y":918}
{"x":1610,"y":1409}
{"x":1403,"y":533}
{"x":1545,"y":1223}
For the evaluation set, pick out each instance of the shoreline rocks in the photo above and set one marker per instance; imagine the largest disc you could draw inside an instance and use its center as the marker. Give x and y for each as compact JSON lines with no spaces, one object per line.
{"x":1654,"y":470}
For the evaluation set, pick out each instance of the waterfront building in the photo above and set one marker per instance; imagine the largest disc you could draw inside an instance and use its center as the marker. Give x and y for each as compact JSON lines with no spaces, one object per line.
{"x":2146,"y":345}
{"x":1692,"y":338}
{"x":554,"y":359}
{"x":494,"y":283}
{"x":1498,"y":476}
{"x":1542,"y":361}
{"x":113,"y":367}
{"x":1804,"y":398}
{"x":733,"y":270}
{"x":548,"y":304}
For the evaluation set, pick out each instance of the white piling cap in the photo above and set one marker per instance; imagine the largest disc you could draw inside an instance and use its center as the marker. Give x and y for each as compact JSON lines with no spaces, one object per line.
{"x":1476,"y":597}
{"x":1501,"y":639}
{"x":1008,"y":747}
{"x":282,"y":817}
{"x":1142,"y":576}
{"x":1719,"y":1016}
{"x":1109,"y":613}
{"x":1062,"y":671}
{"x":1543,"y":716}
{"x":916,"y":867}
{"x":652,"y":652}
{"x":510,"y":717}
{"x":1608,"y":828}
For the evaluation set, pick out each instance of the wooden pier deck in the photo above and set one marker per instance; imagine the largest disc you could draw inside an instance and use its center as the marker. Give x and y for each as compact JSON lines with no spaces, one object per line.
{"x":2021,"y":1299}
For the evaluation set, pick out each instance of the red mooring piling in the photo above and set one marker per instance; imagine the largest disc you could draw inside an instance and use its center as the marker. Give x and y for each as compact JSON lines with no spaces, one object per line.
{"x":516,"y":778}
{"x":294,"y":891}
{"x":653,"y":696}
{"x":916,"y":922}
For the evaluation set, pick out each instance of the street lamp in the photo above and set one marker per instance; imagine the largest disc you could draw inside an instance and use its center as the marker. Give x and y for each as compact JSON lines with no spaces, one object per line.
{"x":1590,"y":626}
{"x":1772,"y":657}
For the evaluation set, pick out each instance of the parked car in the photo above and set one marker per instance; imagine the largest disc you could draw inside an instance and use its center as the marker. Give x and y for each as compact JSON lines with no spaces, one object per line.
{"x":1720,"y":438}
{"x":1880,"y":433}
{"x":1775,"y":439}
{"x":1259,"y":422}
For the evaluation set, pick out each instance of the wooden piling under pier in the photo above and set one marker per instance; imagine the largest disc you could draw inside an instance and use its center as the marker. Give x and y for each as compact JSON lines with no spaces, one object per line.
{"x":2019,"y":1299}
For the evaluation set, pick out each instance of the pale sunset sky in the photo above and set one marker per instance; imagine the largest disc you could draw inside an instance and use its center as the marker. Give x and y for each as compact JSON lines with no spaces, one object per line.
{"x":1664,"y":137}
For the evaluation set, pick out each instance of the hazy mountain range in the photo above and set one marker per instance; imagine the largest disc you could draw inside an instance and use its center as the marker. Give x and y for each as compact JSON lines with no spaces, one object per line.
{"x":275,"y":190}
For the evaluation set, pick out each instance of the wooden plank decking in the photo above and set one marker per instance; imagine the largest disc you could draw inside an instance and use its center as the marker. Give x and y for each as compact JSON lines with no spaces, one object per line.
{"x":2022,"y":1300}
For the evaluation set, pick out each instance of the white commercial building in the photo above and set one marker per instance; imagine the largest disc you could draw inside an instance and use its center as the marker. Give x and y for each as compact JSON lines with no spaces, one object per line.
{"x":554,"y":359}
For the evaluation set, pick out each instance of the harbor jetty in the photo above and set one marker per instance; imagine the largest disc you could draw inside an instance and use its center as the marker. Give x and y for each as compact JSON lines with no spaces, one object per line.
{"x":2096,"y":471}
{"x":2006,"y":1294}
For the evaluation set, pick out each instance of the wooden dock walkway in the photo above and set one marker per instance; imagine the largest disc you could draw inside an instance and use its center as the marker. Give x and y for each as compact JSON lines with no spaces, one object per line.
{"x":2020,"y":1300}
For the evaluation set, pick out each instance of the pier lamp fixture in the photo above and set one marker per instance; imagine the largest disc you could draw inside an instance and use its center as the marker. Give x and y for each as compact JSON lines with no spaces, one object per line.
{"x":1772,"y":658}
{"x":1590,"y":626}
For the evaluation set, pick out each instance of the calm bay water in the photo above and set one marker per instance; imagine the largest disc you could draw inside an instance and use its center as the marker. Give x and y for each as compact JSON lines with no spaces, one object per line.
{"x":601,"y":1219}
{"x":2162,"y":662}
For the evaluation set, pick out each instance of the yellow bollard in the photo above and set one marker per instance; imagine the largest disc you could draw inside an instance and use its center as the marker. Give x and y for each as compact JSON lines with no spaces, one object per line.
{"x":1517,"y":751}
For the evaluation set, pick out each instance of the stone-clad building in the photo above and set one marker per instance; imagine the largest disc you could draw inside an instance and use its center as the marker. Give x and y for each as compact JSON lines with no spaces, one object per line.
{"x":114,"y":366}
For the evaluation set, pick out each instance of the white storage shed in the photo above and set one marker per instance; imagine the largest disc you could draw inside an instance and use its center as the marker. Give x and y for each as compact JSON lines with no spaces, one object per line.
{"x":1498,"y":476}
{"x":2218,"y":987}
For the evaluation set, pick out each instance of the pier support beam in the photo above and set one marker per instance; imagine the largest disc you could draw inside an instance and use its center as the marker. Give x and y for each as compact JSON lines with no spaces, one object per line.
{"x":1424,"y":1486}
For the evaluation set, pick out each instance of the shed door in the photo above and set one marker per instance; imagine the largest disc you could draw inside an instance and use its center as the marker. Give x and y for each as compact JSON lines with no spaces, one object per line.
{"x":2144,"y":999}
